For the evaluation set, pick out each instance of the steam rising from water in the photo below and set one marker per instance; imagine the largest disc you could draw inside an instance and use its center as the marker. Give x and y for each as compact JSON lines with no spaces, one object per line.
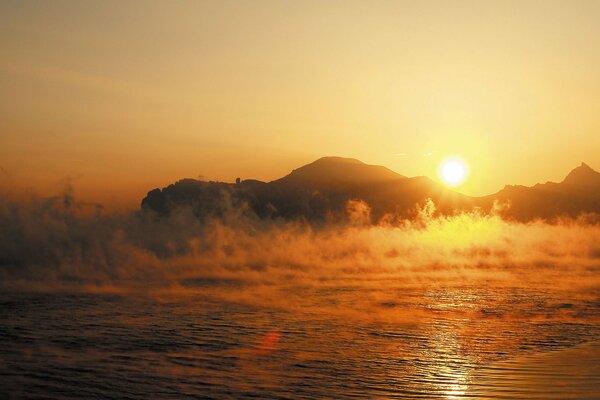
{"x":45,"y":245}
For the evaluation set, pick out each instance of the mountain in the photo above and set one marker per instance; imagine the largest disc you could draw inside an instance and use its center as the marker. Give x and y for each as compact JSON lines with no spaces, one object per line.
{"x":577,"y":194}
{"x":584,"y":177}
{"x":319,"y":192}
{"x":336,"y":170}
{"x":323,"y":188}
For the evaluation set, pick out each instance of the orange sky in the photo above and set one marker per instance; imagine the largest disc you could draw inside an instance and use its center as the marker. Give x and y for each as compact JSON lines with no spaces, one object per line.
{"x":121,"y":97}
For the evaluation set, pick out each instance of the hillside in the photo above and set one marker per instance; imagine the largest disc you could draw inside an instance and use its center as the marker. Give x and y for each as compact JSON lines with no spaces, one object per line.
{"x":318,"y":192}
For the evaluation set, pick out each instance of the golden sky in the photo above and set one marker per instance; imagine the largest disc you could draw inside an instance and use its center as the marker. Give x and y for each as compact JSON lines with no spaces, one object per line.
{"x":120,"y":97}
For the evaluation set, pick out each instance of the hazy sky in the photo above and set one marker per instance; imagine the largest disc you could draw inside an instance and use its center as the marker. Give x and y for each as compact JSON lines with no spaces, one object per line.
{"x":124,"y":96}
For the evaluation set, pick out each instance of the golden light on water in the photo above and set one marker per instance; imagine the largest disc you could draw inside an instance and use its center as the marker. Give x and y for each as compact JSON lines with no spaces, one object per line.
{"x":453,"y":171}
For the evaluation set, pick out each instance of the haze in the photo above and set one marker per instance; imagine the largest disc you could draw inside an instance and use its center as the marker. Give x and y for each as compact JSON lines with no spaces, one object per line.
{"x":120,"y":97}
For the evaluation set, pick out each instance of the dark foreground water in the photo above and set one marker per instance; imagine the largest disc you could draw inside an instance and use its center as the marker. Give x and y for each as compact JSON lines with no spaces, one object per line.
{"x":444,"y":342}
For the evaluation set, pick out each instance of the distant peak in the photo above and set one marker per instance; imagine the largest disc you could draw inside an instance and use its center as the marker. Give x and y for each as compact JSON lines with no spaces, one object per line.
{"x":334,"y":159}
{"x":584,"y":168}
{"x":340,"y":169}
{"x":583,"y":175}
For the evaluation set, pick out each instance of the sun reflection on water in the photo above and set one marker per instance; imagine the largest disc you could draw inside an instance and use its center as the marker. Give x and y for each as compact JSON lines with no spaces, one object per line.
{"x":449,"y":363}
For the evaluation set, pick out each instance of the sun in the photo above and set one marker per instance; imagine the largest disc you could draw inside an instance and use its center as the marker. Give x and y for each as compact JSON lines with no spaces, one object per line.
{"x":453,"y":171}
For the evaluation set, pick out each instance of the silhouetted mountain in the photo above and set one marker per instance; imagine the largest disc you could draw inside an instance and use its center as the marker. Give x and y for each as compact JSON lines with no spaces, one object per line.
{"x":339,"y":170}
{"x":583,"y":176}
{"x":319,"y":192}
{"x":577,"y":194}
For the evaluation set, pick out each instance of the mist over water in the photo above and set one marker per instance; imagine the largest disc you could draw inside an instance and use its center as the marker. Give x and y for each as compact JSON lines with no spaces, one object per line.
{"x":137,"y":306}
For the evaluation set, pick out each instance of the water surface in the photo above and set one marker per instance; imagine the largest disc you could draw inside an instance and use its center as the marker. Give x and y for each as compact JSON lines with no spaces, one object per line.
{"x":442,"y":342}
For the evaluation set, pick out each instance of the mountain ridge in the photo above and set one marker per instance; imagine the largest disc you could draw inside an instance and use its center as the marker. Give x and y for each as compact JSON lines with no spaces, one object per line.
{"x":319,"y":191}
{"x":336,"y":169}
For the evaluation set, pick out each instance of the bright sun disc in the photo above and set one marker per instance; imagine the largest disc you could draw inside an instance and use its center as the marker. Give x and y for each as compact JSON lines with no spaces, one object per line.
{"x":453,"y":172}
